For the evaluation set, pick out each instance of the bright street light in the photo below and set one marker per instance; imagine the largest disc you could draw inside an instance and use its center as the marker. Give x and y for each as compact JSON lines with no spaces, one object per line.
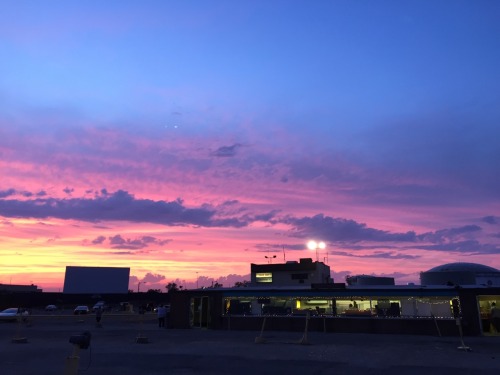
{"x":314,"y":245}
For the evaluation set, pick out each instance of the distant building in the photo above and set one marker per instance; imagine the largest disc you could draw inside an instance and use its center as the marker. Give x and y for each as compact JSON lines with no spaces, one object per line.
{"x":306,"y":272}
{"x":461,"y":274}
{"x":366,"y":280}
{"x":19,"y":288}
{"x":96,"y":280}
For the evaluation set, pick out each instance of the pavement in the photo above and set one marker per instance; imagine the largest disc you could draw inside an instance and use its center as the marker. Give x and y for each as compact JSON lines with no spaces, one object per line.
{"x":43,"y":347}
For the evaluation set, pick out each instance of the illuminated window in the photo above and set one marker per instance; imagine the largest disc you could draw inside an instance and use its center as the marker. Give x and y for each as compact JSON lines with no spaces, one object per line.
{"x":264,"y":277}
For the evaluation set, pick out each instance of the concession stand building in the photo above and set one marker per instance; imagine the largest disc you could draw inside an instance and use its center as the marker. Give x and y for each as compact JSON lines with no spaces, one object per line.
{"x":336,"y":307}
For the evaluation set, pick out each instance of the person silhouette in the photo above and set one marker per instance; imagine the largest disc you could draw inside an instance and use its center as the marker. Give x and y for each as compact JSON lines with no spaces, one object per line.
{"x":98,"y":316}
{"x":162,"y":313}
{"x":495,"y":317}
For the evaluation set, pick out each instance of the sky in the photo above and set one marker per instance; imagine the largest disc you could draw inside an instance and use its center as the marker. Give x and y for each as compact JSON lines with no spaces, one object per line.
{"x":189,"y":139}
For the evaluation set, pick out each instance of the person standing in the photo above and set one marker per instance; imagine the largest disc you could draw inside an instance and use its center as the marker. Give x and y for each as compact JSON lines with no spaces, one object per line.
{"x":495,"y":317}
{"x":162,"y":313}
{"x":98,"y":316}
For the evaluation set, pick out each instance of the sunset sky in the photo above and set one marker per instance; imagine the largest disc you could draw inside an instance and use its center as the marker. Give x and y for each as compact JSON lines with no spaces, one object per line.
{"x":188,"y":139}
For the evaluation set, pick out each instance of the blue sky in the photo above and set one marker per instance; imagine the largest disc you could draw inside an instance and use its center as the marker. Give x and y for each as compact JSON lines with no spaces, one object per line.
{"x":381,"y":116}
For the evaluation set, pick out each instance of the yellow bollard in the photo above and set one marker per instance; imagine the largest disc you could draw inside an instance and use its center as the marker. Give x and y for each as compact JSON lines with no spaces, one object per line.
{"x":18,"y":339}
{"x":72,"y":362}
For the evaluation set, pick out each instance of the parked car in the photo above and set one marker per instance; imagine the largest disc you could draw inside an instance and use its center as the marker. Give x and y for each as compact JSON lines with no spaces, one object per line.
{"x":50,"y":308}
{"x":80,"y":310}
{"x":99,"y":305}
{"x":13,"y":313}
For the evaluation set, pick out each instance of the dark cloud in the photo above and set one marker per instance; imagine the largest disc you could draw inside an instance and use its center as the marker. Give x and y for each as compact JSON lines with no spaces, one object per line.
{"x":266,"y":217}
{"x":357,"y":246}
{"x":490,"y":220}
{"x":280,"y":248}
{"x":469,"y":247}
{"x":230,"y":208}
{"x":119,"y":206}
{"x":99,"y":240}
{"x":445,"y":235}
{"x":26,"y":194}
{"x":68,"y":190}
{"x":7,"y":193}
{"x":336,"y":229}
{"x":226,"y":151}
{"x":230,"y":202}
{"x":118,"y":242}
{"x":377,"y":254}
{"x":347,"y":233}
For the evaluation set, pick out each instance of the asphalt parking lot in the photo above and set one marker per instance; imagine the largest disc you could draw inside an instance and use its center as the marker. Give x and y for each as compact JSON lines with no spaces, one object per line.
{"x":114,"y":349}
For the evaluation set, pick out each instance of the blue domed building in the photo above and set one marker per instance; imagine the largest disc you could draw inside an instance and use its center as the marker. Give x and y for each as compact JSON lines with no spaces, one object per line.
{"x":461,"y":274}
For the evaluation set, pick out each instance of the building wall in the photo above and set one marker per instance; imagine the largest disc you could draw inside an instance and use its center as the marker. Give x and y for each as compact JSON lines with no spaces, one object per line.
{"x":448,"y":277}
{"x":488,"y":279}
{"x":303,"y":273}
{"x":369,"y":280}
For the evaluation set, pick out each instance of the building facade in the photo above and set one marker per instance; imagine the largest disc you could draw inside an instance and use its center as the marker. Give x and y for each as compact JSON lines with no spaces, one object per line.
{"x":13,"y":288}
{"x":396,"y":309}
{"x":284,"y":296}
{"x":302,"y":273}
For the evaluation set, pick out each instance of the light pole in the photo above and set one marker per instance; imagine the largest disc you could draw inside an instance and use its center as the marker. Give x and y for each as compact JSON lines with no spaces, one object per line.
{"x":313,"y":245}
{"x":138,"y":286}
{"x":197,"y":280}
{"x":270,"y":258}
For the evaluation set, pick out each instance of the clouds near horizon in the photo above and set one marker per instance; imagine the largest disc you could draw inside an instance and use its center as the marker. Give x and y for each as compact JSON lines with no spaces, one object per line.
{"x":119,"y":206}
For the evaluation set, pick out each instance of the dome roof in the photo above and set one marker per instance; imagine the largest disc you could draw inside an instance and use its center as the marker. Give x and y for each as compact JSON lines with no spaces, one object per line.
{"x":464,"y":267}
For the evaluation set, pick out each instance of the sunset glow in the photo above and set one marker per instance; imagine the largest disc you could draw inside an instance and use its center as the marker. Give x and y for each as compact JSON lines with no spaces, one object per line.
{"x":187,"y":140}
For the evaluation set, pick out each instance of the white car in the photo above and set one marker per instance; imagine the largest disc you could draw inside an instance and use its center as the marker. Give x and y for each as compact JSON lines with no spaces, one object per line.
{"x":101,"y":305}
{"x":50,"y":308}
{"x":80,"y":310}
{"x":13,"y":313}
